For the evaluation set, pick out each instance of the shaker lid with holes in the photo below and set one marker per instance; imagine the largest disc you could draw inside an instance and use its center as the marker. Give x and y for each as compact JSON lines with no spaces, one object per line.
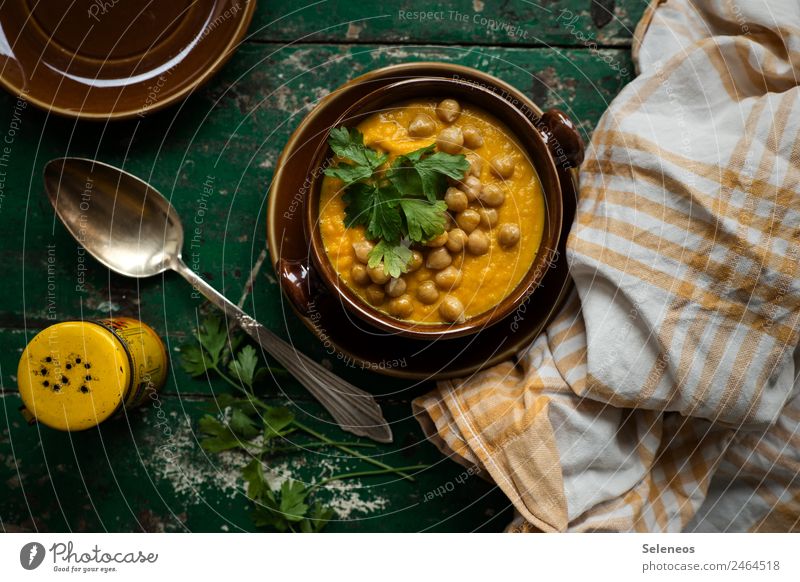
{"x":73,"y":375}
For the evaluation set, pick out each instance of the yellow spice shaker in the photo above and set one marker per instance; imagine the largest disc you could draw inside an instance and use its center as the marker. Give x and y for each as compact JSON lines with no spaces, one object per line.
{"x":76,"y":374}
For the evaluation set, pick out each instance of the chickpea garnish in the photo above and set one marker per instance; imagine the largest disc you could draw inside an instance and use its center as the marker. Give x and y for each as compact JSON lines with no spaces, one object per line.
{"x":488,"y":217}
{"x":468,"y":220}
{"x":478,"y":243}
{"x":375,"y":294}
{"x":503,"y":166}
{"x":438,"y":241}
{"x":448,"y":110}
{"x":362,"y":249}
{"x":378,"y":275}
{"x":450,"y":140}
{"x":438,"y":259}
{"x":456,"y":200}
{"x":416,"y":261}
{"x":401,"y":306}
{"x":492,"y":195}
{"x":456,"y":240}
{"x":473,"y":138}
{"x":359,"y":274}
{"x":448,"y":278}
{"x":421,"y":126}
{"x":395,"y":287}
{"x":508,"y":235}
{"x":475,"y":165}
{"x":471,"y":186}
{"x":451,"y":309}
{"x":427,"y":292}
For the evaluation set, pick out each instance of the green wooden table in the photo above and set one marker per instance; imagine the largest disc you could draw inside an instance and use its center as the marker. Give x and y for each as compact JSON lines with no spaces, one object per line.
{"x":571,"y":54}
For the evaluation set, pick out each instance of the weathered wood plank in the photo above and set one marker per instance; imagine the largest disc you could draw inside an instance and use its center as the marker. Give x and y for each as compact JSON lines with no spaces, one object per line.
{"x":472,"y":22}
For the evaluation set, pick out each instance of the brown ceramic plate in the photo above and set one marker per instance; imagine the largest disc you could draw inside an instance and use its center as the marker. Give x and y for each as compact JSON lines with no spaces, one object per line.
{"x":356,"y":342}
{"x":115,"y":59}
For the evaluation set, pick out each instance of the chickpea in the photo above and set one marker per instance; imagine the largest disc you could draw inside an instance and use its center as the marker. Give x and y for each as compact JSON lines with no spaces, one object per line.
{"x":488,"y":217}
{"x":362,"y":249}
{"x":503,"y":166}
{"x":450,"y":140}
{"x":456,"y":240}
{"x":492,"y":195}
{"x":395,"y":287}
{"x":401,"y":306}
{"x":473,"y":138}
{"x":471,"y":186}
{"x":451,"y":309}
{"x":427,"y":292}
{"x":456,"y":200}
{"x":359,"y":275}
{"x":475,"y":165}
{"x":448,"y":110}
{"x":437,"y":241}
{"x":468,"y":220}
{"x":478,"y":243}
{"x":378,"y":275}
{"x":421,"y":126}
{"x":438,"y":259}
{"x":416,"y":261}
{"x":508,"y":235}
{"x":375,"y":294}
{"x":448,"y":278}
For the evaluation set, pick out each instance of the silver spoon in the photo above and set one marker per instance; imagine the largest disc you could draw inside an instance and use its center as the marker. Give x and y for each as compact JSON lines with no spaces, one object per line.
{"x":128,"y":226}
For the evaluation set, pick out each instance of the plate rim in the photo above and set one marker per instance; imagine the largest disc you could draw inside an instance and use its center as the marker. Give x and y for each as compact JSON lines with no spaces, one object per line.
{"x":171,"y":99}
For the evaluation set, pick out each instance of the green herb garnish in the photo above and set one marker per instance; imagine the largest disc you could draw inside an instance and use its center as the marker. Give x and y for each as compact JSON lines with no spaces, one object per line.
{"x":259,"y":431}
{"x":398,"y":205}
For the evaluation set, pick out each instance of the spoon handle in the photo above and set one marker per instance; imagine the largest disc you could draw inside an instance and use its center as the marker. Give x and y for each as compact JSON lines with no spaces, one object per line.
{"x":355,"y":410}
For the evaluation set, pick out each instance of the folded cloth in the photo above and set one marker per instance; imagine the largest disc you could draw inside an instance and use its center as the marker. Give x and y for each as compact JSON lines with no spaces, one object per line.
{"x":663,"y":397}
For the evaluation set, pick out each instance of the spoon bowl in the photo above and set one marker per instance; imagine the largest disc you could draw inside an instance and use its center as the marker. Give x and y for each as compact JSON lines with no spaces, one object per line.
{"x":122,"y":221}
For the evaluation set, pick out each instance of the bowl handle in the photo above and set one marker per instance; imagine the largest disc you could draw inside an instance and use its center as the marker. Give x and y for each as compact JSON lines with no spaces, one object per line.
{"x":562,"y":137}
{"x":299,"y":282}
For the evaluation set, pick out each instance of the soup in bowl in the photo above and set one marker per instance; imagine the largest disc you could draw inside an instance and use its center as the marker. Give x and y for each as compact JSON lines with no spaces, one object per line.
{"x":436,"y":208}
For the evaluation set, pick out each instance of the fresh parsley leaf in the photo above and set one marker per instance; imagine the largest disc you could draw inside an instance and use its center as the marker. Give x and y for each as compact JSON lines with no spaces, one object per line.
{"x":217,"y":436}
{"x":450,"y":165}
{"x":244,"y":366}
{"x":395,"y":257}
{"x":194,"y":360}
{"x":242,"y":425}
{"x":318,"y":517}
{"x":359,"y":199}
{"x":253,"y":474}
{"x":417,"y":173}
{"x":276,"y":419}
{"x":348,"y":144}
{"x":349,"y":174}
{"x":292,"y":504}
{"x":424,"y":219}
{"x":385,"y":222}
{"x":267,"y":513}
{"x":213,"y":336}
{"x":376,"y":208}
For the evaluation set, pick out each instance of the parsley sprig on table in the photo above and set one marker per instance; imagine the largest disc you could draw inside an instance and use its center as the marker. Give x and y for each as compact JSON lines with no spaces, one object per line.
{"x":260,"y":430}
{"x":398,"y":205}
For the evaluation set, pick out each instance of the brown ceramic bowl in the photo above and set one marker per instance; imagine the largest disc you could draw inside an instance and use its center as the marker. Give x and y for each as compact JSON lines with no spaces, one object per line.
{"x":534,"y":141}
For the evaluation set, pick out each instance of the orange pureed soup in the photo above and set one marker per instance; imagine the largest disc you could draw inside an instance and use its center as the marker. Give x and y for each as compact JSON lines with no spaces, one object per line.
{"x":507,"y":235}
